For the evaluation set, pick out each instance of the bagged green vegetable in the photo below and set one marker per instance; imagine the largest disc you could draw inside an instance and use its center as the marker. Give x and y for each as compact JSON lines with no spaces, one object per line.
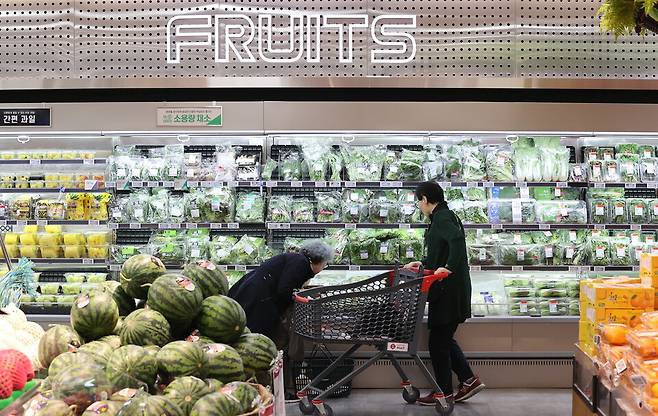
{"x":389,"y":251}
{"x":392,"y":166}
{"x":292,"y":244}
{"x":599,"y":211}
{"x":280,"y":208}
{"x":596,"y":171}
{"x":290,"y":166}
{"x":561,"y":212}
{"x":453,"y":194}
{"x":197,"y":245}
{"x":249,"y":208}
{"x":646,"y":151}
{"x":339,"y":240}
{"x":363,"y":247}
{"x":572,"y":236}
{"x":649,"y":169}
{"x":511,"y":211}
{"x":554,"y":307}
{"x":554,"y":161}
{"x":549,"y":283}
{"x":411,"y":165}
{"x":570,"y":254}
{"x":177,"y":208}
{"x":619,"y":252}
{"x":315,"y":152}
{"x":303,"y":210}
{"x":481,"y":255}
{"x":220,"y":249}
{"x":636,"y":250}
{"x":363,"y":163}
{"x":383,"y":208}
{"x":409,"y":214}
{"x":611,"y":171}
{"x":158,"y":206}
{"x":411,"y":245}
{"x":473,"y":162}
{"x":523,"y":307}
{"x":247,"y":250}
{"x":433,"y":167}
{"x":355,"y":205}
{"x":653,"y":211}
{"x":328,"y":206}
{"x":628,"y":168}
{"x":600,"y":251}
{"x":474,"y":194}
{"x":453,"y":162}
{"x":520,"y":292}
{"x":334,"y":165}
{"x":168,"y":247}
{"x":521,"y":255}
{"x":475,"y":212}
{"x":517,"y":281}
{"x":619,"y":214}
{"x":577,"y":173}
{"x":505,"y":192}
{"x":269,"y":169}
{"x":638,"y":211}
{"x":627,"y":148}
{"x":544,"y":237}
{"x":220,"y":206}
{"x":500,"y":164}
{"x":138,"y":206}
{"x":591,"y":153}
{"x":527,"y":161}
{"x":457,"y":207}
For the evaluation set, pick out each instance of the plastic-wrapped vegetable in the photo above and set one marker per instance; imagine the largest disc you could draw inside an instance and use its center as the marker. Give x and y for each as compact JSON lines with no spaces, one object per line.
{"x":153,"y":169}
{"x":619,"y":252}
{"x":280,"y":208}
{"x":290,"y":167}
{"x":599,"y":211}
{"x":363,"y":247}
{"x":591,"y":153}
{"x":514,"y":237}
{"x":648,"y":169}
{"x":627,"y":148}
{"x":511,"y":211}
{"x":653,"y":211}
{"x":173,"y":167}
{"x":646,"y":150}
{"x":247,"y":250}
{"x":269,"y":169}
{"x":600,"y":251}
{"x":517,"y":281}
{"x":611,"y":171}
{"x":220,"y":249}
{"x":392,"y":170}
{"x":638,"y":211}
{"x":383,"y":208}
{"x":411,"y":245}
{"x":457,"y":207}
{"x":363,"y":163}
{"x":329,"y":206}
{"x":521,"y":255}
{"x":577,"y":173}
{"x":355,"y":205}
{"x":596,"y":171}
{"x":520,"y":292}
{"x":119,"y":209}
{"x":169,"y":248}
{"x":197,"y":245}
{"x":453,"y":162}
{"x":334,"y":164}
{"x":570,"y":254}
{"x":500,"y":164}
{"x":121,"y":253}
{"x":433,"y":165}
{"x":554,"y":160}
{"x":292,"y":244}
{"x":225,"y":168}
{"x":411,"y":164}
{"x":619,"y":211}
{"x":454,"y":194}
{"x":554,"y":307}
{"x":561,"y":212}
{"x":544,"y":237}
{"x":138,"y":208}
{"x":473,"y":162}
{"x":526,"y":160}
{"x":636,"y":250}
{"x":250,"y":208}
{"x":481,"y":255}
{"x":339,"y":240}
{"x":475,"y":194}
{"x":176,"y":208}
{"x":572,"y":236}
{"x":303,"y":210}
{"x":408,"y":211}
{"x":315,"y":157}
{"x":388,"y":252}
{"x":158,"y":206}
{"x":220,"y":206}
{"x":475,"y":212}
{"x":523,"y":307}
{"x":628,"y":168}
{"x":195,"y":204}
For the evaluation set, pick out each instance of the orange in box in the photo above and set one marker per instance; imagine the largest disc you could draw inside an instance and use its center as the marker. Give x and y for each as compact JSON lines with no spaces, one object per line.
{"x":644,"y":343}
{"x":586,"y":332}
{"x":630,"y":317}
{"x":649,"y":269}
{"x":615,"y":334}
{"x":620,"y":296}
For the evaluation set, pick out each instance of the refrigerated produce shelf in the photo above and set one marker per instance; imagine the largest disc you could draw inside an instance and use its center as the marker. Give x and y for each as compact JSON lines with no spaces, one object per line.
{"x":577,"y":269}
{"x":52,"y":222}
{"x":53,"y":162}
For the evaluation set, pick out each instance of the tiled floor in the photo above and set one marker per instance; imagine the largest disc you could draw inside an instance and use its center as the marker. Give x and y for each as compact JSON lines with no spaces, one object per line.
{"x":488,"y":403}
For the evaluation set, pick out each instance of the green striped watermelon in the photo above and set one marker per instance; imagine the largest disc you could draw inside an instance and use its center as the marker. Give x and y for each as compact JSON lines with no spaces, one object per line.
{"x":214,"y":385}
{"x":113,"y":341}
{"x":81,"y":385}
{"x":208,"y":277}
{"x":216,"y":404}
{"x":224,"y":363}
{"x":181,"y":358}
{"x":101,"y":350}
{"x":152,"y":349}
{"x":139,"y":271}
{"x":222,"y":319}
{"x":94,"y":315}
{"x":131,"y":366}
{"x":245,"y":393}
{"x":54,"y":408}
{"x":146,"y":405}
{"x":145,"y":327}
{"x":68,"y":360}
{"x":246,"y":330}
{"x":185,"y":391}
{"x":176,"y":297}
{"x":257,"y":352}
{"x":58,"y":339}
{"x":125,"y":303}
{"x":103,"y":407}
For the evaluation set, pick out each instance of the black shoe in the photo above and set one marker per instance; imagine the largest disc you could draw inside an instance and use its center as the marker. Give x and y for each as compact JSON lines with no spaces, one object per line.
{"x":291,"y":397}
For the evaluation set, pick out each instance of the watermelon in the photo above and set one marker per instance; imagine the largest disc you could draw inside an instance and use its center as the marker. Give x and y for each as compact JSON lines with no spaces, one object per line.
{"x":257,"y":352}
{"x":54,"y":408}
{"x":185,"y":391}
{"x":112,"y":340}
{"x":118,"y":327}
{"x":181,"y":358}
{"x":139,"y":271}
{"x":224,"y":363}
{"x":125,"y":303}
{"x":214,"y":385}
{"x":245,"y":393}
{"x":222,"y":319}
{"x":81,"y":385}
{"x":69,"y":359}
{"x":132,"y":366}
{"x":103,"y":407}
{"x":146,"y":405}
{"x":145,"y":327}
{"x":246,"y":330}
{"x":152,"y":349}
{"x":56,"y":340}
{"x":208,"y":277}
{"x":176,"y":297}
{"x":101,"y":350}
{"x":94,"y":315}
{"x":216,"y":404}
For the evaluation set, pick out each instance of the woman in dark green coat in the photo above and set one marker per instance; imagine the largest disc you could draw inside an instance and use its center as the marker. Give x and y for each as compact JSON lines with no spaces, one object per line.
{"x":450,"y":299}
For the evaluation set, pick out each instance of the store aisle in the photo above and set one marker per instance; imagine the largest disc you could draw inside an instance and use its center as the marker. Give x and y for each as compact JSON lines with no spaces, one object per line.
{"x":498,"y":402}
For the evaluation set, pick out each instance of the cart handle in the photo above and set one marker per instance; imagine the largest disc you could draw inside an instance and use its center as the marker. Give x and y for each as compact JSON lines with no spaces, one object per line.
{"x":430,"y":278}
{"x":301,"y":299}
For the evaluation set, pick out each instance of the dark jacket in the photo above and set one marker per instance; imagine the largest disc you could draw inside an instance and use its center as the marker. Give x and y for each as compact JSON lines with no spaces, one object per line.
{"x":266,"y":292}
{"x":445,"y":242}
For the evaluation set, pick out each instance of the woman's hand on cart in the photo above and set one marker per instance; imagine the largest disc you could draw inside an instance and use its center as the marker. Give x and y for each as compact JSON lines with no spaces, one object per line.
{"x":414,"y":265}
{"x":443,"y":271}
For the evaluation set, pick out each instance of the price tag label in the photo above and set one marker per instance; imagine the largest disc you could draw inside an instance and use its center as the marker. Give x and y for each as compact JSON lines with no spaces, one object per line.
{"x":335,"y":184}
{"x":636,"y":268}
{"x":193,"y":184}
{"x":476,"y":268}
{"x":87,"y":261}
{"x":3,"y":222}
{"x":41,"y":223}
{"x":273,"y":226}
{"x":652,"y":184}
{"x":354,"y":268}
{"x":636,"y":227}
{"x":562,"y":184}
{"x":35,"y":161}
{"x":599,"y":226}
{"x":21,"y":223}
{"x":90,"y":184}
{"x":497,"y":226}
{"x":350,"y":184}
{"x":180,"y":184}
{"x":350,"y":226}
{"x":94,"y":222}
{"x":599,"y":185}
{"x":115,"y":267}
{"x":253,"y":184}
{"x":525,"y":193}
{"x":631,"y":185}
{"x":113,"y":225}
{"x":404,"y":226}
{"x":152,"y":184}
{"x":574,"y":269}
{"x":168,"y":184}
{"x":392,"y":184}
{"x":521,"y":184}
{"x":137,"y":184}
{"x":320,"y":184}
{"x":544,"y":226}
{"x":241,"y":268}
{"x":296,"y":184}
{"x":163,"y":226}
{"x":284,"y":226}
{"x":271,"y":184}
{"x":222,"y":267}
{"x":110,"y":184}
{"x":488,"y":184}
{"x":191,"y":225}
{"x":599,"y":268}
{"x":135,"y":226}
{"x":517,"y":268}
{"x":215,"y":226}
{"x":233,"y":226}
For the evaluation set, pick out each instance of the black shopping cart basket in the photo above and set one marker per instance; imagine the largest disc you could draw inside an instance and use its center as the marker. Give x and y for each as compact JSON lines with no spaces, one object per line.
{"x":385,"y":311}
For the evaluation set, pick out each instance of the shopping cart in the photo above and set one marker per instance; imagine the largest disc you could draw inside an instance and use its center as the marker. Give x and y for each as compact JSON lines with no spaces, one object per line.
{"x":385,"y":311}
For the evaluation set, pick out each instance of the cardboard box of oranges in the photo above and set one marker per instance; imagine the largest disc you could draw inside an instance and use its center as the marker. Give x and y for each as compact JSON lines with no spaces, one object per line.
{"x":596,"y":315}
{"x":618,"y":296}
{"x":649,"y":269}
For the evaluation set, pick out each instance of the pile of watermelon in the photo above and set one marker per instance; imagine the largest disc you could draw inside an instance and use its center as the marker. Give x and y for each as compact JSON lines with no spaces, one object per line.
{"x":155,"y":343}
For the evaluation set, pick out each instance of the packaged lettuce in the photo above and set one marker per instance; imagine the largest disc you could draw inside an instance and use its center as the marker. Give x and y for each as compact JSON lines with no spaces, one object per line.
{"x":363,"y":247}
{"x":474,"y":194}
{"x":434,"y":164}
{"x":512,"y":211}
{"x":119,"y":212}
{"x":383,"y":208}
{"x":552,"y":293}
{"x":619,"y":252}
{"x":303,"y":210}
{"x":646,"y":151}
{"x":574,"y":307}
{"x":611,"y":171}
{"x":247,"y":249}
{"x":392,"y":166}
{"x":627,"y":149}
{"x":121,"y":253}
{"x":457,"y":207}
{"x":636,"y":250}
{"x":411,"y":164}
{"x":220,"y":206}
{"x":554,"y":160}
{"x":453,"y":162}
{"x":473,"y":162}
{"x":411,"y":245}
{"x":570,"y":254}
{"x":335,"y":165}
{"x":292,"y":244}
{"x":138,"y":206}
{"x":600,"y":251}
{"x":561,"y":212}
{"x":500,"y":164}
{"x":554,"y":307}
{"x":596,"y":171}
{"x":280,"y":208}
{"x":520,"y":292}
{"x":269,"y":169}
{"x":481,"y":255}
{"x":591,"y":153}
{"x":290,"y":166}
{"x":653,"y":211}
{"x":454,"y":194}
{"x":168,"y":247}
{"x":572,"y":236}
{"x":549,"y":283}
{"x":355,"y":205}
{"x":220,"y":249}
{"x":505,"y":192}
{"x":599,"y":211}
{"x":225,"y":168}
{"x":517,"y":281}
{"x":523,"y":307}
{"x":339,"y":240}
{"x":408,"y":211}
{"x":316,"y":160}
{"x":249,"y":208}
{"x":577,"y":172}
{"x":512,"y":237}
{"x":176,"y":208}
{"x":197,"y":244}
{"x":363,"y":163}
{"x":329,"y":206}
{"x":573,"y":287}
{"x":619,"y":211}
{"x":475,"y":212}
{"x":521,"y":255}
{"x":648,"y":169}
{"x":158,"y":206}
{"x":195,"y":204}
{"x":638,"y":211}
{"x":544,"y":237}
{"x":628,"y":168}
{"x":389,"y":251}
{"x":527,"y":161}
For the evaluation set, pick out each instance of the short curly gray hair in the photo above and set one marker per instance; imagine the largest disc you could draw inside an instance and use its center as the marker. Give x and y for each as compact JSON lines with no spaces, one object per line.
{"x":317,"y":251}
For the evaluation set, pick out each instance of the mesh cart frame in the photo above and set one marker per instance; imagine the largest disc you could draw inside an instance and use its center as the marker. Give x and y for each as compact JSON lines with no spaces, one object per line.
{"x":385,"y":312}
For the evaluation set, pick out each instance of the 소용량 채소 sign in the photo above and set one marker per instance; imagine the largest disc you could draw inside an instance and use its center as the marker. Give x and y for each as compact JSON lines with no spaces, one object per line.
{"x":190,"y":117}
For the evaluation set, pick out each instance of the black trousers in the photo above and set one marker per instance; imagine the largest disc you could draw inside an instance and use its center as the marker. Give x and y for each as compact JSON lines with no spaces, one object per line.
{"x":447,"y":357}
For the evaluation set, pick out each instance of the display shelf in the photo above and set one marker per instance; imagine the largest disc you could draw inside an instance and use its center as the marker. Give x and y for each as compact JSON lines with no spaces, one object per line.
{"x":53,"y":161}
{"x":52,"y":222}
{"x":321,"y":225}
{"x":57,"y":261}
{"x":181,"y":184}
{"x":115,"y":267}
{"x":545,"y":268}
{"x":183,"y":225}
{"x":510,"y":319}
{"x":52,"y":190}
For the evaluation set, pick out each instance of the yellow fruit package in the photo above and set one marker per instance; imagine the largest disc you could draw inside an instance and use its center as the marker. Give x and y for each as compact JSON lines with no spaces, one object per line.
{"x":50,"y":240}
{"x":28,"y":238}
{"x":614,"y":334}
{"x":76,"y":207}
{"x":11,"y":238}
{"x":29,"y":251}
{"x":74,"y":252}
{"x":99,"y":206}
{"x":74,"y":239}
